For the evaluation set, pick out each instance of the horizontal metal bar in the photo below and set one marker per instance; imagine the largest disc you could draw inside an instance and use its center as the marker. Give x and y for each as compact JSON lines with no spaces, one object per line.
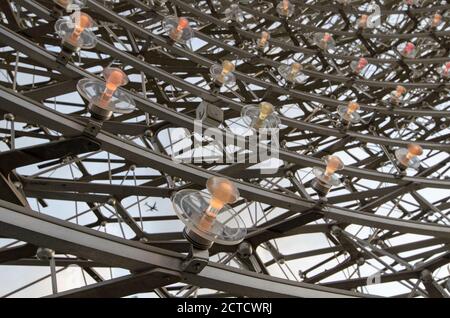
{"x":42,"y":230}
{"x":19,"y":104}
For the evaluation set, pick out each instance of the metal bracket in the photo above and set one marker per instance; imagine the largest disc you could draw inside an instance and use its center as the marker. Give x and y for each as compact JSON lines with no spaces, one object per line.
{"x":195,"y":261}
{"x":92,"y":128}
{"x":209,"y":113}
{"x":66,"y":54}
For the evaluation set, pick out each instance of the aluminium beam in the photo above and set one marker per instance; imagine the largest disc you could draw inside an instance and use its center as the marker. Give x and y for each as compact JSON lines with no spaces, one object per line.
{"x":184,"y":121}
{"x":192,"y":56}
{"x":237,"y":106}
{"x":123,"y":286}
{"x":143,"y":156}
{"x":42,"y":230}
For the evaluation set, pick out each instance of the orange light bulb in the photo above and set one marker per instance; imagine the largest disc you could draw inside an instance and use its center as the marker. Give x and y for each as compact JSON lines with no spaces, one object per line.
{"x":400,"y":90}
{"x":265,"y":36}
{"x":265,"y":109}
{"x":333,"y":164}
{"x":362,"y":22}
{"x":286,"y":5}
{"x":414,"y":150}
{"x":222,"y":192}
{"x":82,"y":21}
{"x":114,"y":78}
{"x":437,"y":18}
{"x":183,"y":23}
{"x":352,"y":107}
{"x":295,"y":69}
{"x":227,"y":67}
{"x":176,"y":32}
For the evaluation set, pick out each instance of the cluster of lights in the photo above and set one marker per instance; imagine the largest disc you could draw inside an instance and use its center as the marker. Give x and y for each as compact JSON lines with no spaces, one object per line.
{"x":202,"y":226}
{"x":326,"y":178}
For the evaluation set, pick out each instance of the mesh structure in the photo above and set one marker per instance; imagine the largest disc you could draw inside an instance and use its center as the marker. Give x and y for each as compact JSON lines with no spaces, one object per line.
{"x":85,"y":205}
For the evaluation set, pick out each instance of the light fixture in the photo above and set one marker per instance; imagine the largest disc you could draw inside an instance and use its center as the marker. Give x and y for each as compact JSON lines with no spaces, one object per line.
{"x":292,"y":73}
{"x":223,"y":74}
{"x":407,"y":50}
{"x":326,"y":178}
{"x":324,"y":41}
{"x":207,"y":217}
{"x":348,"y":113}
{"x":435,"y":20}
{"x":444,"y":70}
{"x":396,"y":96}
{"x":359,"y":65}
{"x":285,"y":8}
{"x":408,"y":157}
{"x":178,"y":29}
{"x":74,"y":30}
{"x":105,"y":98}
{"x":261,"y":116}
{"x":234,"y":13}
{"x":263,"y":41}
{"x":362,"y":21}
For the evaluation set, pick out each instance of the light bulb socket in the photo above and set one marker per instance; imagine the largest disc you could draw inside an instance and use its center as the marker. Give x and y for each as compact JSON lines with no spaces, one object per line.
{"x":64,"y":56}
{"x":401,"y":166}
{"x":196,"y":240}
{"x":99,"y":113}
{"x":320,"y":187}
{"x":69,"y":48}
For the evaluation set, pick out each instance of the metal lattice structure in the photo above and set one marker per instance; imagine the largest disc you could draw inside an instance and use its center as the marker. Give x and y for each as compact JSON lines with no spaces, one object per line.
{"x":99,"y":195}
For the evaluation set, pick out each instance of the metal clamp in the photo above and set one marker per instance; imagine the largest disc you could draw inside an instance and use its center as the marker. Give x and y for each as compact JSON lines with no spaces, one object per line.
{"x":195,"y":261}
{"x":92,"y":128}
